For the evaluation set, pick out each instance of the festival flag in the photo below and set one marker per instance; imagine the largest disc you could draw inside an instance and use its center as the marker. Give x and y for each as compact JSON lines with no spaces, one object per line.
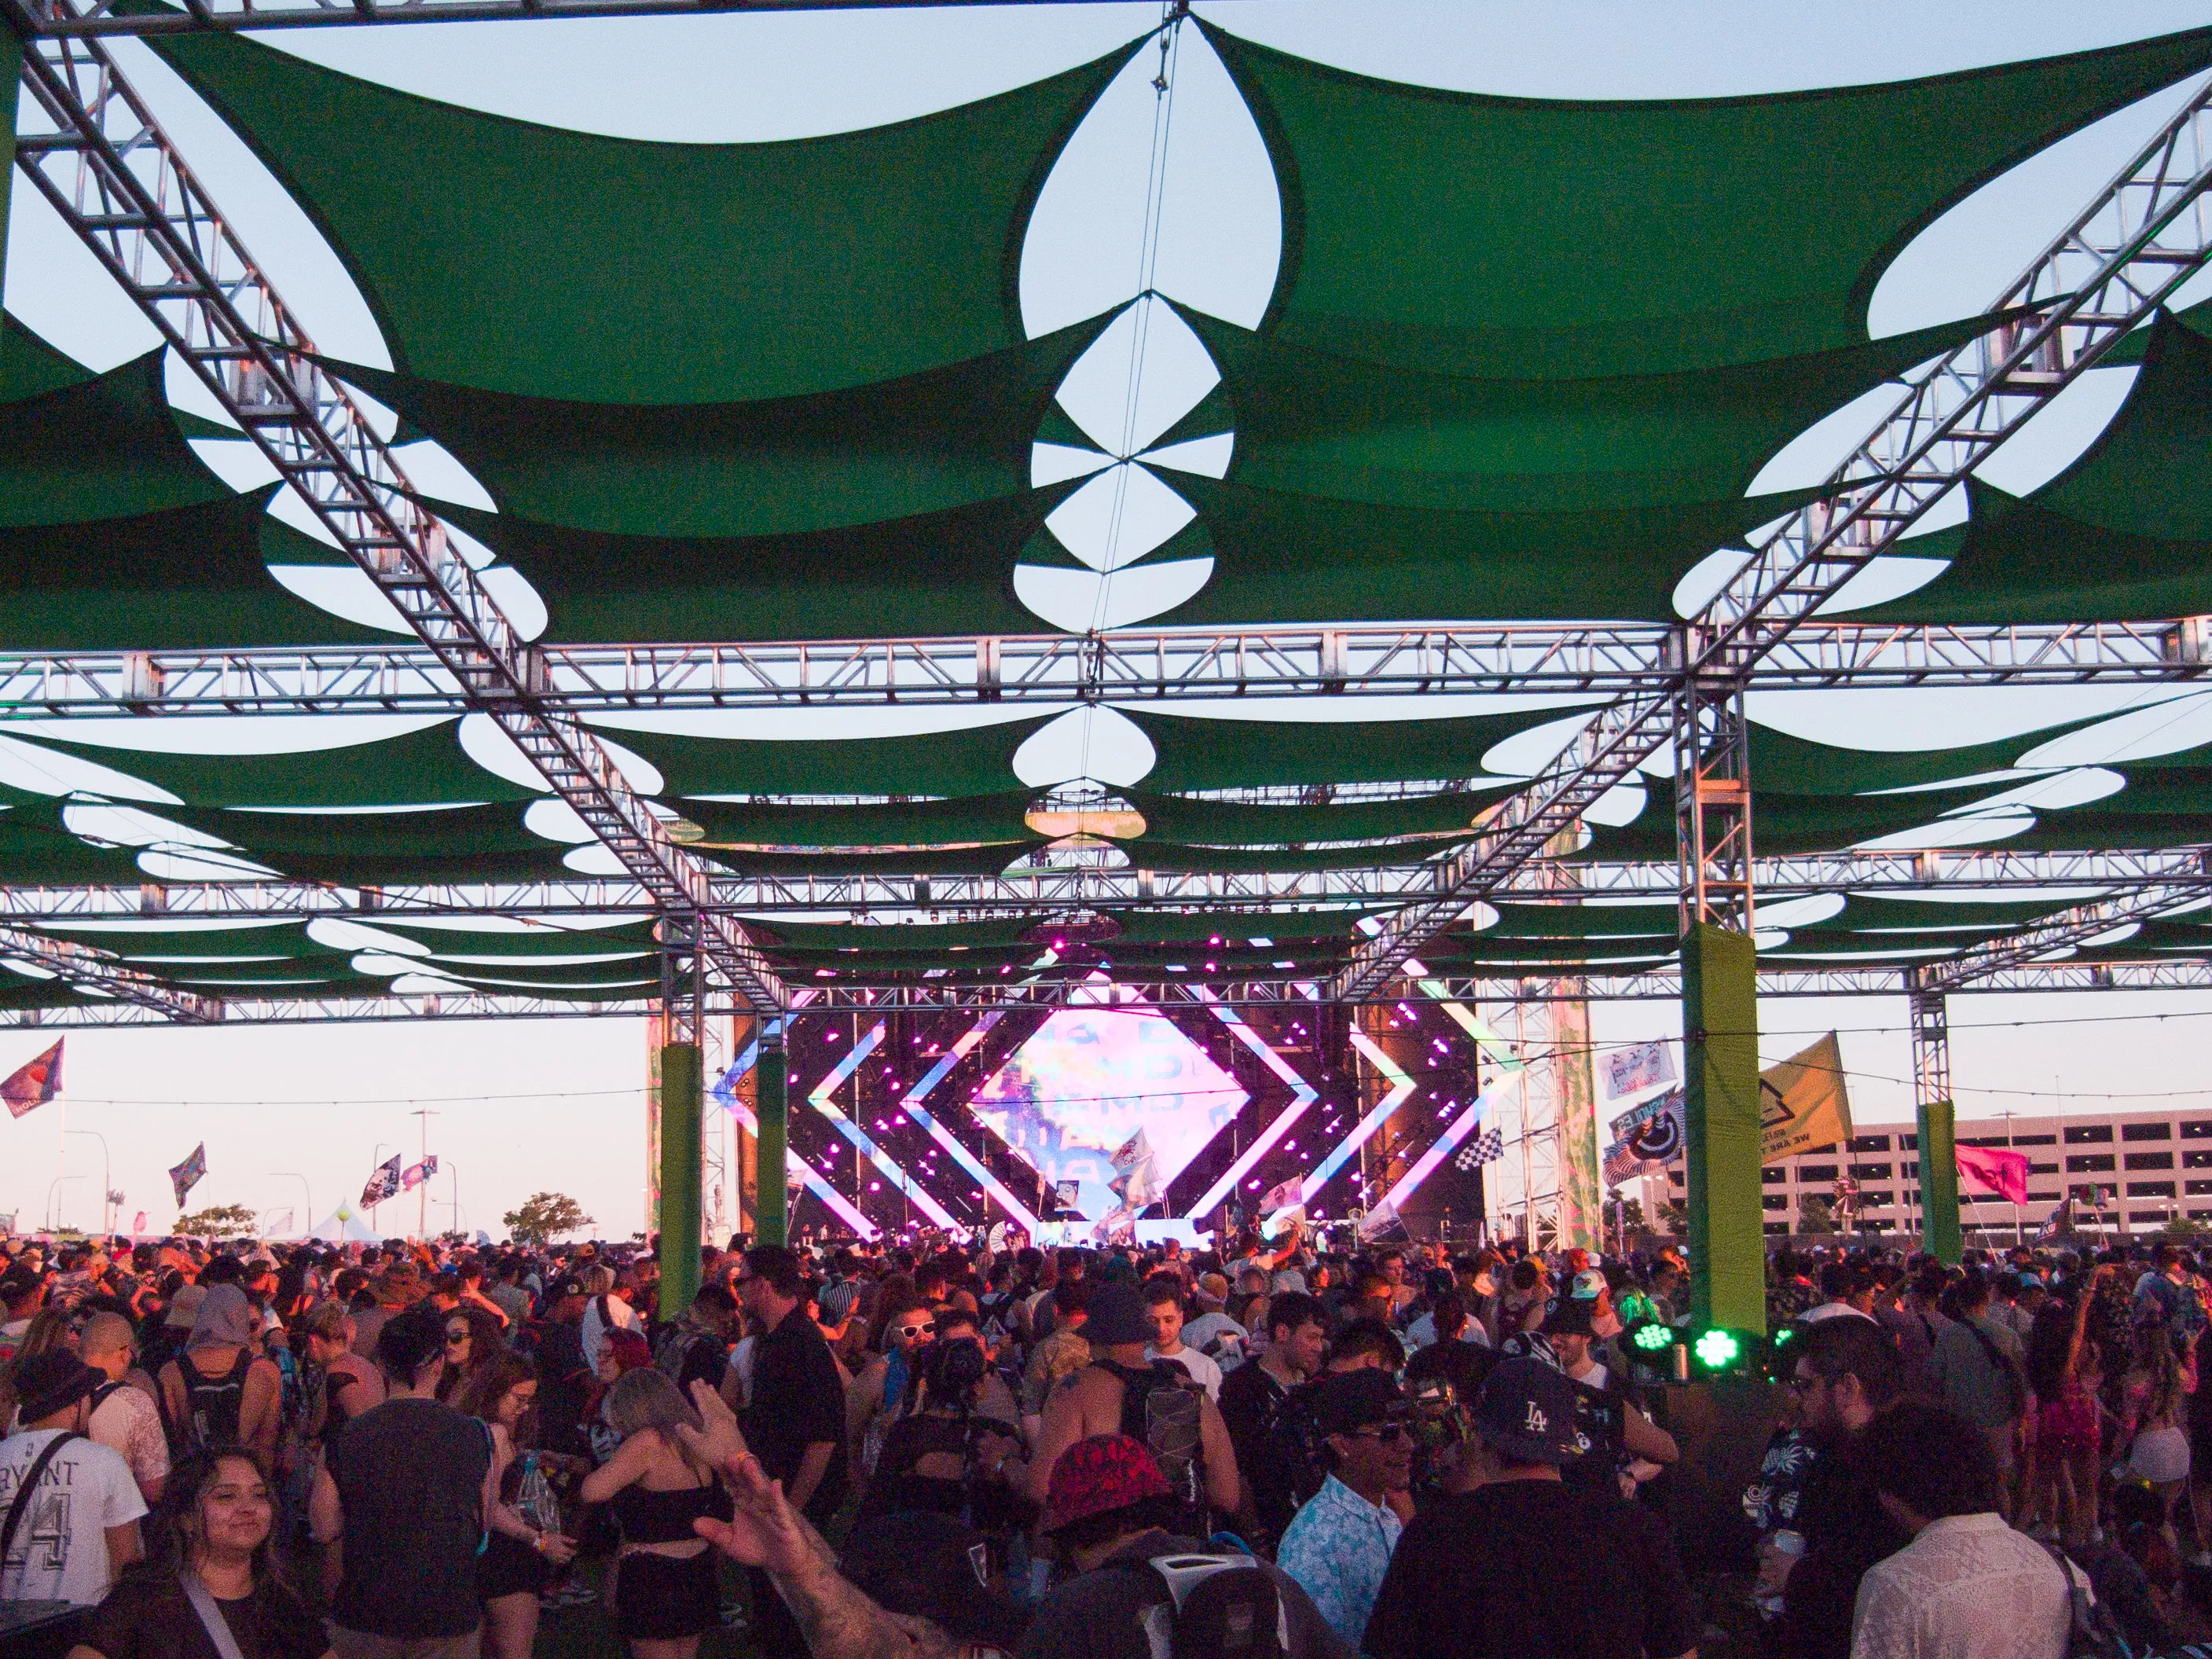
{"x":1066,"y":1197}
{"x":2060,"y":1220}
{"x":417,"y":1174}
{"x":382,"y":1184}
{"x":1995,"y":1171}
{"x":186,"y":1175}
{"x":1650,"y":1138}
{"x":139,"y":1225}
{"x":1381,"y":1223}
{"x":1485,"y":1148}
{"x":1118,"y":1227}
{"x":279,"y":1225}
{"x":1640,"y":1065}
{"x":1803,"y":1103}
{"x":1132,"y":1151}
{"x":34,"y":1084}
{"x":1283,"y":1194}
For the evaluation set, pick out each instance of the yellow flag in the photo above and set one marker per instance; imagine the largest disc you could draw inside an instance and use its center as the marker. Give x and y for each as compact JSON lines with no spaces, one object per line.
{"x":1802,"y":1101}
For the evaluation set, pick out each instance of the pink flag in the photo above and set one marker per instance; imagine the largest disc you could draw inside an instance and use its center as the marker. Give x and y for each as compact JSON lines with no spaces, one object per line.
{"x":33,"y":1084}
{"x":2002,"y":1173}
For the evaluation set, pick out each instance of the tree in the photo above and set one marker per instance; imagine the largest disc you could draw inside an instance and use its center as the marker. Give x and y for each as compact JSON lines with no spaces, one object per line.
{"x":1632,"y":1214}
{"x":1815,"y":1215}
{"x":1674,"y":1216}
{"x":224,"y":1221}
{"x":545,"y":1218}
{"x":2182,"y":1231}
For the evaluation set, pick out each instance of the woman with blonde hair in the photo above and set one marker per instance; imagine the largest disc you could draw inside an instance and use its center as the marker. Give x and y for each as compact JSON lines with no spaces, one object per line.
{"x":521,"y":1552}
{"x":664,"y":1597}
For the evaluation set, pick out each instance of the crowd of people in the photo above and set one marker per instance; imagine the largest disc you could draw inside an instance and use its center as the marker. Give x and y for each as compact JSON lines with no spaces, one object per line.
{"x":927,"y":1447}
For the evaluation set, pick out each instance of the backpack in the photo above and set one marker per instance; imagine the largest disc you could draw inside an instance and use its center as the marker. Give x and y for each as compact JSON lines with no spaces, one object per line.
{"x":676,"y":1342}
{"x":1160,"y":1409}
{"x":1216,"y":1607}
{"x":213,"y":1406}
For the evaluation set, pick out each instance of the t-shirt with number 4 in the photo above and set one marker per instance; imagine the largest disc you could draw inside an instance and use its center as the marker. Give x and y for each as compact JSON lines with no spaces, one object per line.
{"x":59,"y":1551}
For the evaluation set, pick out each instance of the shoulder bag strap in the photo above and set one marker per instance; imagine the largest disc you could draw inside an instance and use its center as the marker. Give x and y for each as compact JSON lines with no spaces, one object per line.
{"x":28,"y":1487}
{"x":211,"y":1618}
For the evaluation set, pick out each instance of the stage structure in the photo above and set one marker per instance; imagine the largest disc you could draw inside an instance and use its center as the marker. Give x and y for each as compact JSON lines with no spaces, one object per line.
{"x":854,"y":950}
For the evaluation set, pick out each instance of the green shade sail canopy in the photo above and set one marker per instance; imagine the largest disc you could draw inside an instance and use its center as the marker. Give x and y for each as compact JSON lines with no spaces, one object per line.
{"x":940,"y":439}
{"x":1528,"y":238}
{"x":2124,"y":533}
{"x":517,"y":258}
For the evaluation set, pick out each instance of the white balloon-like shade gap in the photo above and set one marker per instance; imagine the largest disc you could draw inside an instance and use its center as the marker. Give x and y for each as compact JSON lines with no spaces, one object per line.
{"x":1812,"y":457}
{"x":1117,"y":518}
{"x":1971,"y":253}
{"x":1976,"y":831}
{"x":383,"y":965}
{"x":198,"y":865}
{"x":2169,"y":728}
{"x":485,"y":742}
{"x":2052,"y":794}
{"x":816,"y":725}
{"x":1150,"y":351}
{"x":1527,"y":753}
{"x":518,"y":600}
{"x":1052,"y":463}
{"x":1622,"y":803}
{"x":130,"y":826}
{"x":436,"y":472}
{"x":235,"y":461}
{"x":186,"y":391}
{"x":594,"y":860}
{"x":232,"y":734}
{"x":341,"y":935}
{"x":2055,"y":436}
{"x":38,"y":771}
{"x":59,"y":290}
{"x":557,"y":821}
{"x":1079,"y":600}
{"x":1882,"y":578}
{"x":1801,"y":912}
{"x":1220,"y":212}
{"x":345,"y":593}
{"x":1206,"y":457}
{"x":1096,"y":744}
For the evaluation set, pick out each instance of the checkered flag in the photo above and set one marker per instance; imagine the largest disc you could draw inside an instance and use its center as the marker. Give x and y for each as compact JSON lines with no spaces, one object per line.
{"x":1485,"y":1148}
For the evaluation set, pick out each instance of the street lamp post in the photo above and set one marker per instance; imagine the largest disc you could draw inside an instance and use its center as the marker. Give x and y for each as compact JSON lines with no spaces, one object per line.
{"x":53,"y":1217}
{"x":422,"y":1198}
{"x":106,"y":1186}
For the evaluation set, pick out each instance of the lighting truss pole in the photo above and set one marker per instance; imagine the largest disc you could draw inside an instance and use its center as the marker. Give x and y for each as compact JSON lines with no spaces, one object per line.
{"x":104,"y":976}
{"x":117,"y":181}
{"x":2105,"y":273}
{"x":1712,"y":805}
{"x":2058,"y":934}
{"x":1931,"y":1037}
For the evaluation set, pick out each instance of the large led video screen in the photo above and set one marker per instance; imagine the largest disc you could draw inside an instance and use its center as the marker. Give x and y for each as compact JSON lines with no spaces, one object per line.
{"x":1088,"y":1080}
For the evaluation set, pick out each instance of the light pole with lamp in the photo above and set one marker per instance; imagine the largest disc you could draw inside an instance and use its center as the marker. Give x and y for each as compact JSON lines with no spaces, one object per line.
{"x":455,"y":1170}
{"x":309,"y":1191}
{"x":53,"y":1217}
{"x":422,"y":1197}
{"x":106,"y":1186}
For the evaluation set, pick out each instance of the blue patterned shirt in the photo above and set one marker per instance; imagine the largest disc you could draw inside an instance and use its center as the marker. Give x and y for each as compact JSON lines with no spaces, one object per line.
{"x":1338,"y":1547}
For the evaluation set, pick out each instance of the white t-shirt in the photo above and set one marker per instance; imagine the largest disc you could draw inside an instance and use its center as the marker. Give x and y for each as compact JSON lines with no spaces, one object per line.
{"x":60,"y":1549}
{"x":128,"y":1421}
{"x":594,"y":1332}
{"x":1201,"y":1370}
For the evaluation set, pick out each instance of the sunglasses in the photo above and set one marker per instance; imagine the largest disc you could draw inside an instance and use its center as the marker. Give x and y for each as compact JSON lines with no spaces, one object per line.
{"x":1386,"y":1434}
{"x":453,"y":1337}
{"x":912,"y":1330}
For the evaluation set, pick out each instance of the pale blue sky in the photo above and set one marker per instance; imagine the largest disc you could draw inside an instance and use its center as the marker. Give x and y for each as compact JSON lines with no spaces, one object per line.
{"x":577,"y":1123}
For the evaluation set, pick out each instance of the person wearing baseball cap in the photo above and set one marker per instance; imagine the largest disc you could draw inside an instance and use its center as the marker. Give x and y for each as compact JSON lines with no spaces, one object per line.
{"x":1338,"y":1544}
{"x":1620,"y":1440}
{"x":76,"y":1498}
{"x":1107,"y":1508}
{"x":1477,"y":1573}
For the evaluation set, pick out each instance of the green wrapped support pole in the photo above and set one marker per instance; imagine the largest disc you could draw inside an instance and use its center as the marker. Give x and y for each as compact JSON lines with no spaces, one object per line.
{"x":771,"y":1193}
{"x":1939,"y":1182}
{"x":1720,"y":1091}
{"x":683,"y":1104}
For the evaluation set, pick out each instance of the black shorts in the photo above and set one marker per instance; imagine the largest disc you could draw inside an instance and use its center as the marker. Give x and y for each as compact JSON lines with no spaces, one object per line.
{"x":659,"y":1598}
{"x":510,"y":1567}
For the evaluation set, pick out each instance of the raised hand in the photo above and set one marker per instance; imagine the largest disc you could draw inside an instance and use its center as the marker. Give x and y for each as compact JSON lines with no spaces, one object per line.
{"x":719,"y":1441}
{"x":765,"y":1531}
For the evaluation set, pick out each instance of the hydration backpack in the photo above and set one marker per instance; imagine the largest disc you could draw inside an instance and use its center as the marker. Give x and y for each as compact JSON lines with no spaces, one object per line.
{"x":1160,"y":1408}
{"x":1216,"y":1607}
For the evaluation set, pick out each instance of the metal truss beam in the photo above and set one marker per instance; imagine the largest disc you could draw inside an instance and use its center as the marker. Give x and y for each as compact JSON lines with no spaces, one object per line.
{"x":955,"y":897}
{"x":96,"y":972}
{"x":2105,"y":273}
{"x":97,"y":154}
{"x":2037,"y":977}
{"x":1127,"y":666}
{"x":44,"y":17}
{"x":2068,"y":930}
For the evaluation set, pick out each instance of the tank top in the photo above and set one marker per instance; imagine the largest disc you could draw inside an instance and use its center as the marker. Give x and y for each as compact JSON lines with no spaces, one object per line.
{"x":647,"y":1516}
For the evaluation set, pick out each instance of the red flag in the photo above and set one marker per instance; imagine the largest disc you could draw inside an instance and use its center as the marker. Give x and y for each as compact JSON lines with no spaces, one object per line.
{"x":1994,"y":1172}
{"x":34,"y":1084}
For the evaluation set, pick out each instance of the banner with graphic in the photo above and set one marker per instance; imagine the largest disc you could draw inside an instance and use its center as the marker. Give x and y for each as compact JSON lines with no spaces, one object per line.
{"x":1994,"y":1170}
{"x":1803,"y":1103}
{"x":417,"y":1174}
{"x":183,"y":1177}
{"x":32,"y":1085}
{"x":1640,"y":1065}
{"x":382,"y":1184}
{"x":1647,"y":1139}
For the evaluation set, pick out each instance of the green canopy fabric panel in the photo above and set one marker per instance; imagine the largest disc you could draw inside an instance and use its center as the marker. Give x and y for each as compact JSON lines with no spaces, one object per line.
{"x":104,"y":446}
{"x":942,"y":573}
{"x":517,"y":258}
{"x":36,"y":851}
{"x":943,"y":438}
{"x":29,"y":368}
{"x":1481,"y":439}
{"x":1629,"y":238}
{"x":465,"y":844}
{"x":423,"y":768}
{"x":975,"y":760}
{"x":1199,"y":753}
{"x":2123,"y":533}
{"x":991,"y":818}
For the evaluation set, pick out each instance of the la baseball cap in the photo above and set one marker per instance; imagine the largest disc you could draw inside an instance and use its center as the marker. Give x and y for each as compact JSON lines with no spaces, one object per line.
{"x":1526,"y":1413}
